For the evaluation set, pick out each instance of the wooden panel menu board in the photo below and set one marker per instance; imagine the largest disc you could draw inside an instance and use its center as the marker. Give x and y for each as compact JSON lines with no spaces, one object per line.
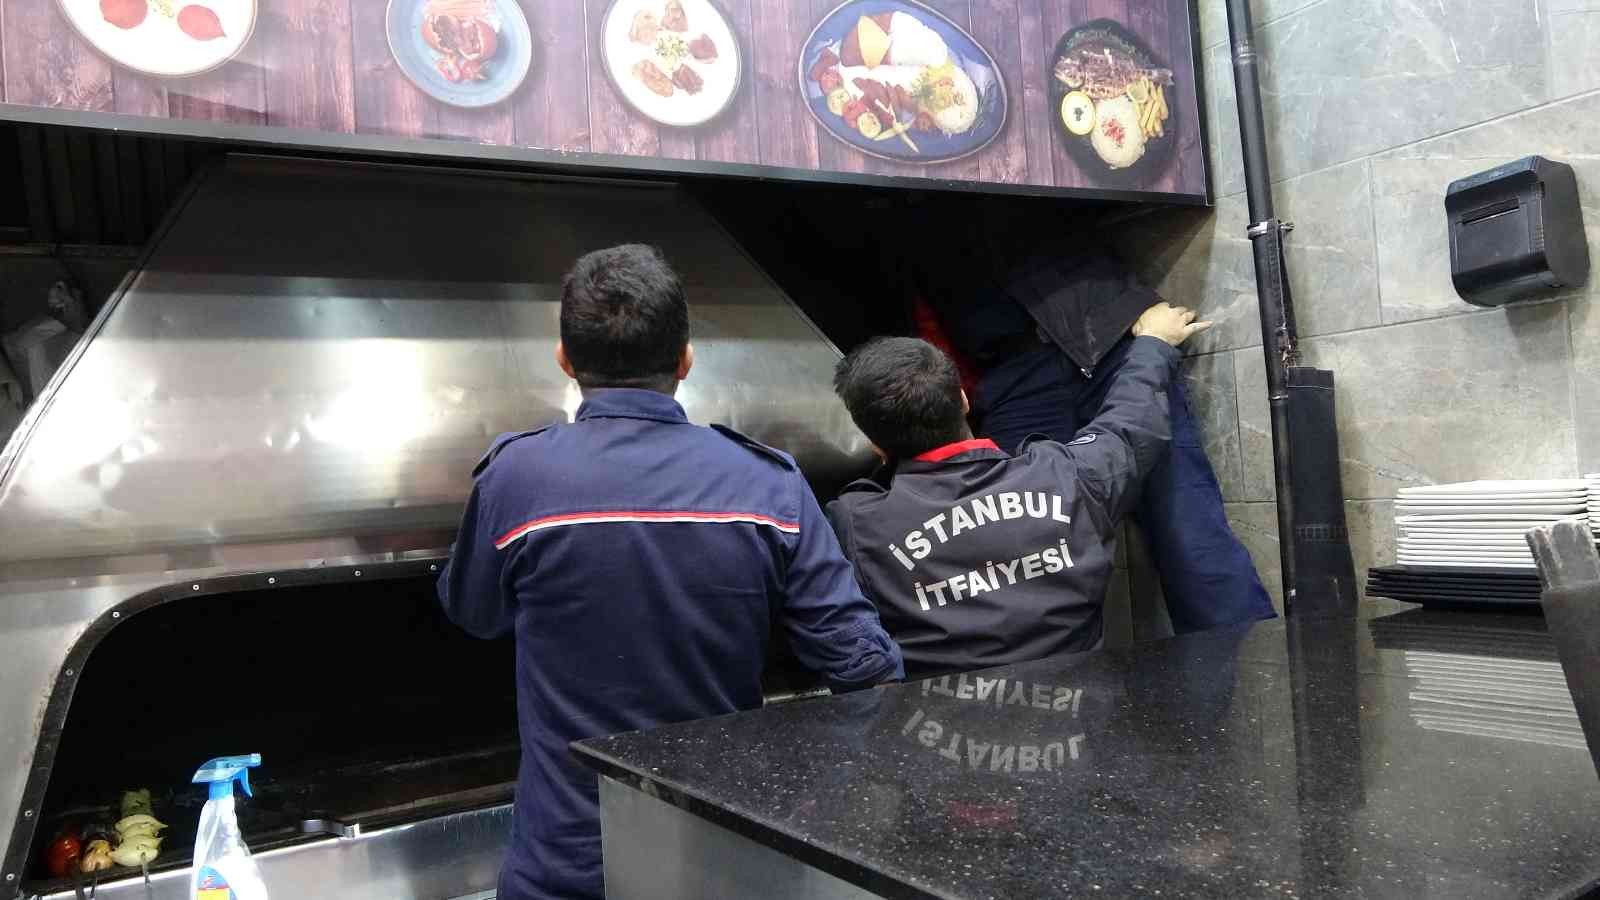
{"x":1095,"y":98}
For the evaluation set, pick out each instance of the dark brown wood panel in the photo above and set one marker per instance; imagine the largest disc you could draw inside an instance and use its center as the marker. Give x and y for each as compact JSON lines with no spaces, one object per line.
{"x":326,"y":65}
{"x":1031,"y":105}
{"x":735,"y":136}
{"x":311,"y":80}
{"x":614,"y":127}
{"x":1186,"y":102}
{"x":995,"y":25}
{"x":386,"y":102}
{"x":552,"y":107}
{"x":1058,"y":16}
{"x":47,"y":64}
{"x":138,"y":95}
{"x":788,"y":135}
{"x":236,"y":92}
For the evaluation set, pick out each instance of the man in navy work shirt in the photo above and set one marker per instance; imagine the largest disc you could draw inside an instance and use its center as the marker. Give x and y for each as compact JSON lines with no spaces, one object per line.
{"x":639,"y":561}
{"x":978,"y":558}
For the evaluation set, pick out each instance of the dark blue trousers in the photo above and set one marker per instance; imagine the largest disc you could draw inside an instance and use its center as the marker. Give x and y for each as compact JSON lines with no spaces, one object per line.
{"x":1206,"y":574}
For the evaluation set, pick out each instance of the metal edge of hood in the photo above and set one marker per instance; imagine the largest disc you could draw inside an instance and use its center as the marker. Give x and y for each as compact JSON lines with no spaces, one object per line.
{"x":762,"y":367}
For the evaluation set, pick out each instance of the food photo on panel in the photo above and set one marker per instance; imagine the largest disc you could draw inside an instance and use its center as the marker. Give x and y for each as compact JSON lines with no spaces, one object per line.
{"x":844,"y":449}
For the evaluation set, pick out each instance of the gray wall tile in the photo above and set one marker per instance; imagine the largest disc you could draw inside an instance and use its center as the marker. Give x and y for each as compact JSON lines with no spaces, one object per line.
{"x":1255,"y":425}
{"x":1574,"y":52}
{"x":1347,"y":78}
{"x":1479,"y":396}
{"x":1214,"y":16}
{"x":1586,"y":380}
{"x":1206,"y":261}
{"x":1202,"y":261}
{"x":1331,"y":255}
{"x":1222,"y":123}
{"x":1409,"y":185}
{"x":1208,"y":381}
{"x":1371,"y":524}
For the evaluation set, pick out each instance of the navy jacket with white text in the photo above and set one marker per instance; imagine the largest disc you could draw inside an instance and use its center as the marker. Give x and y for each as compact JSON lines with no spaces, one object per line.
{"x":978,"y":558}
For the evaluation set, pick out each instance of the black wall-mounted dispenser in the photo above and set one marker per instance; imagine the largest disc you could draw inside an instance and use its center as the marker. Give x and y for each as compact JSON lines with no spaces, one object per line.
{"x":1516,"y":232}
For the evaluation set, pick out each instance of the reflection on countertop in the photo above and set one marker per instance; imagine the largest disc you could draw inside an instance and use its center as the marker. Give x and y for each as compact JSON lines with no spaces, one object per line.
{"x":1496,"y":676}
{"x":1407,"y":753}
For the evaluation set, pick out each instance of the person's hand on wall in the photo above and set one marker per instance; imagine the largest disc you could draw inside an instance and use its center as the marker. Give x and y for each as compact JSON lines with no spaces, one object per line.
{"x":1173,"y":324}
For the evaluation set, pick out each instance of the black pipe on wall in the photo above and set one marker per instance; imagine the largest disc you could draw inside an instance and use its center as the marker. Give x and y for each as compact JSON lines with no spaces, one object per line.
{"x":1313,"y":540}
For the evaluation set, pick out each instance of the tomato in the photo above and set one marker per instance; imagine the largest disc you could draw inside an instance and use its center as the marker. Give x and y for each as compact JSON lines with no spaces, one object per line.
{"x":62,"y":854}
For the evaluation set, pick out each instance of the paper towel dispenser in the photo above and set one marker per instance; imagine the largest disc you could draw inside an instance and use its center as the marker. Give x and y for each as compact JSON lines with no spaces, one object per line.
{"x":1516,"y":232}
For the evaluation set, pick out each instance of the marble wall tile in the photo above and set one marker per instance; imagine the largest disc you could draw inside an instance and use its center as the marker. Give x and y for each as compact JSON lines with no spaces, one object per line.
{"x":1347,"y":78}
{"x":1409,"y":184}
{"x":1202,"y":260}
{"x":1372,"y":536}
{"x":1256,"y":524}
{"x":1208,"y":382}
{"x":1255,"y":425}
{"x":1455,"y":399}
{"x":1207,"y":262}
{"x":1586,"y":380}
{"x":1214,"y":16}
{"x":1331,"y":254}
{"x":1222,"y":122}
{"x":1574,"y":51}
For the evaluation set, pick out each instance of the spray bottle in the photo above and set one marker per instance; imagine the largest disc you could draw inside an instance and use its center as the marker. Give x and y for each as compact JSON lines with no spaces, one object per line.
{"x":223,"y":869}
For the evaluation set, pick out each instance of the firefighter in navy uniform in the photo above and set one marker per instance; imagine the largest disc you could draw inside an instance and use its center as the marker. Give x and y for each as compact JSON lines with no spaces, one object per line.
{"x":973,"y":556}
{"x":639,"y":560}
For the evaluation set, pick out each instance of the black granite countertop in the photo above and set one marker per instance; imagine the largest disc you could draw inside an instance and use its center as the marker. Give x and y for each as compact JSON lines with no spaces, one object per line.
{"x":1413,"y":754}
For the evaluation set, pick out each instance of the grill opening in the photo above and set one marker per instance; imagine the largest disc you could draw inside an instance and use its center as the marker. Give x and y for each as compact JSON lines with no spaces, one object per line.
{"x":367,"y":705}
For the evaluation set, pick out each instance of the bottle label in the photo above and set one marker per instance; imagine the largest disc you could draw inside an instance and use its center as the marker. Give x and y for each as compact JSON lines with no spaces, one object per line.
{"x":212,"y":886}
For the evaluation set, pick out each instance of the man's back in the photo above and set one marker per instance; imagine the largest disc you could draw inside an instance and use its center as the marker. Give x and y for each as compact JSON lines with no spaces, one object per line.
{"x":1009,"y":557}
{"x":977,"y":558}
{"x":639,"y":561}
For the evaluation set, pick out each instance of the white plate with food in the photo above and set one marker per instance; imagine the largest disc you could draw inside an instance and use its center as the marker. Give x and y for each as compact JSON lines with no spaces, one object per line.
{"x":168,"y":38}
{"x":675,"y":61}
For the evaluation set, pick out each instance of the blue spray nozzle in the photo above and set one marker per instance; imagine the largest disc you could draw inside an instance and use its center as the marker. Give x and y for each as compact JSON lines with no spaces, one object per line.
{"x":222,"y":772}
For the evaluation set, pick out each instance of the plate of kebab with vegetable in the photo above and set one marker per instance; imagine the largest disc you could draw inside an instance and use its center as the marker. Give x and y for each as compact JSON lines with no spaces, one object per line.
{"x":674,"y":61}
{"x":1111,"y":99}
{"x":468,"y":53}
{"x":167,"y":38}
{"x":898,"y":80}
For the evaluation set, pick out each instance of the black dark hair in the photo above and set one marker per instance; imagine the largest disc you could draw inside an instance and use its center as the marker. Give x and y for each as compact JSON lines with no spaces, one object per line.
{"x":904,"y":394}
{"x":624,"y":319}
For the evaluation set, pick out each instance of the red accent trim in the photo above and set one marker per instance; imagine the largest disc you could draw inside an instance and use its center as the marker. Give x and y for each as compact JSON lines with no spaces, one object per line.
{"x":940,"y":454}
{"x":615,"y":515}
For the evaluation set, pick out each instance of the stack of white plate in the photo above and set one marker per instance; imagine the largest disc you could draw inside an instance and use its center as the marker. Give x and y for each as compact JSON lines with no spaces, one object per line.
{"x":1481,"y":524}
{"x":1594,"y":501}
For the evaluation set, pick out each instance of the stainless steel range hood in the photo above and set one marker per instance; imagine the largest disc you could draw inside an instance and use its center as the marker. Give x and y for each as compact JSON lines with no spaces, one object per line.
{"x":299,"y":378}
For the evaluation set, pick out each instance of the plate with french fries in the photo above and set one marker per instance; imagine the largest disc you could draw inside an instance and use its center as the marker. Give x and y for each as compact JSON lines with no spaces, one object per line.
{"x":1112,"y":101}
